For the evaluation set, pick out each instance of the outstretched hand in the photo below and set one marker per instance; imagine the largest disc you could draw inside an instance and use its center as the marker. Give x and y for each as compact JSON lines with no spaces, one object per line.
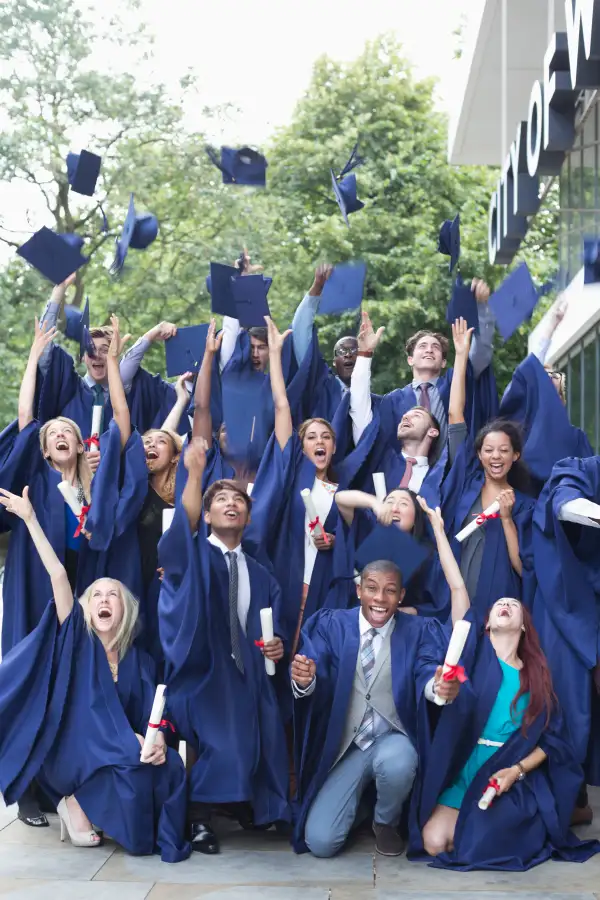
{"x":368,"y":338}
{"x":434,"y":515}
{"x":19,"y":506}
{"x":275,"y":337}
{"x":117,"y":343}
{"x":213,"y":340}
{"x":461,"y":335}
{"x":181,"y":391}
{"x":43,"y":336}
{"x":244,"y":265}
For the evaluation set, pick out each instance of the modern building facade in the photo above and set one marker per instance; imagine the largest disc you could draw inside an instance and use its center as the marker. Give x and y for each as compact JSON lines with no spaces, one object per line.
{"x":531,"y":105}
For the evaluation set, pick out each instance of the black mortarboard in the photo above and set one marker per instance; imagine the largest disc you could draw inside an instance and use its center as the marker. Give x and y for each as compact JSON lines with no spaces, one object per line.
{"x":449,"y":240}
{"x":344,"y":288}
{"x":514,"y":301}
{"x":242,"y":414}
{"x":139,"y":231}
{"x":463,"y":305}
{"x":344,"y":186}
{"x":250,"y":295}
{"x":243,"y":166}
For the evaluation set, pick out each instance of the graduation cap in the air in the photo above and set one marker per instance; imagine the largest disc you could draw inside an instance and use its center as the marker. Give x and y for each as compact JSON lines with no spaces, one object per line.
{"x":463,"y":305}
{"x":344,"y":288}
{"x":219,"y":285}
{"x":591,"y":260}
{"x":250,"y":296}
{"x":449,"y":240}
{"x":390,"y":544}
{"x":139,"y":231}
{"x":56,"y":256}
{"x":243,"y":412}
{"x":77,"y":328}
{"x":344,"y":186}
{"x":242,"y":166}
{"x":514,"y":301}
{"x":184,"y":351}
{"x":83,"y":170}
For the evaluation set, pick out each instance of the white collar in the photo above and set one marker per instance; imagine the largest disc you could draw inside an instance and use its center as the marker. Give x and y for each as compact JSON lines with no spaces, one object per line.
{"x":419,"y":381}
{"x":364,"y":626}
{"x":216,"y":542}
{"x":421,"y":460}
{"x":89,"y":382}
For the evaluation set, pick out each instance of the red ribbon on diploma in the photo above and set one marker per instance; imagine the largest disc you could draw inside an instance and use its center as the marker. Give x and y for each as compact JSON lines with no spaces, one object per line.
{"x":260,"y":644}
{"x":84,"y":511}
{"x":453,"y":672}
{"x":94,"y":439}
{"x":162,"y":724}
{"x":493,"y":782}
{"x":313,"y":525}
{"x":482,"y":518}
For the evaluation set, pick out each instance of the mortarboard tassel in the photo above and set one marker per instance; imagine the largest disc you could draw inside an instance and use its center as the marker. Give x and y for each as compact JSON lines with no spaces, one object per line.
{"x":354,"y":161}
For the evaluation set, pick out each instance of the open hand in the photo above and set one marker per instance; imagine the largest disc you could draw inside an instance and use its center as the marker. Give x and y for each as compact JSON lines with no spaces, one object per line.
{"x":44,"y":335}
{"x":367,"y":337}
{"x":303,"y":670}
{"x":19,"y":506}
{"x":322,"y":273}
{"x":117,"y":343}
{"x":161,"y":332}
{"x":461,"y":336}
{"x":213,"y":340}
{"x":434,"y":515}
{"x":181,"y":391}
{"x":275,"y":338}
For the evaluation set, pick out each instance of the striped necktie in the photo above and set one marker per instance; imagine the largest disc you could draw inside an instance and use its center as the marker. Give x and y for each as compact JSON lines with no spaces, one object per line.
{"x":234,"y":620}
{"x":430,"y":399}
{"x":366,"y":734}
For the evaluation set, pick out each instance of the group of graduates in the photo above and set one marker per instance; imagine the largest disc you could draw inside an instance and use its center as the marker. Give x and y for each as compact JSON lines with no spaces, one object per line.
{"x":188,"y":533}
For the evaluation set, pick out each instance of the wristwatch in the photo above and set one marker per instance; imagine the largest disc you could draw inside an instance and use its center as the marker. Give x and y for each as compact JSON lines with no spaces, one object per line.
{"x":522,"y":772}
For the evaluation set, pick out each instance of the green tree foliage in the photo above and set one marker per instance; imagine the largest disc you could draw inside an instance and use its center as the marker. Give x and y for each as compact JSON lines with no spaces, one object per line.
{"x":53,"y":93}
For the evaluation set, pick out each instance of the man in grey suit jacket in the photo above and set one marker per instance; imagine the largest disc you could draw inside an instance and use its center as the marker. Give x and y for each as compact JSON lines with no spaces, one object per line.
{"x":365,"y":673}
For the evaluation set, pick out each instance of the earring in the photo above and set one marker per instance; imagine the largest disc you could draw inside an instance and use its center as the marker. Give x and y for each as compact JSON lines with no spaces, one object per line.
{"x":522,"y":628}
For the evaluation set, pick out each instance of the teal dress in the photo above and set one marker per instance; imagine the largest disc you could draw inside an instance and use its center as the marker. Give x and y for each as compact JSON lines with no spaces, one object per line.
{"x":499,"y":727}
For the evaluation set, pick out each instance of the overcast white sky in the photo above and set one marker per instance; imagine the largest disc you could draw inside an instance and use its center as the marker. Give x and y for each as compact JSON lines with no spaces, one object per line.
{"x":259,"y":56}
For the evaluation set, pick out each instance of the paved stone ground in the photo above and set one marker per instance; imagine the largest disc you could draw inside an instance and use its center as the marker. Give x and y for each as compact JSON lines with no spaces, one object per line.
{"x":35,"y":865}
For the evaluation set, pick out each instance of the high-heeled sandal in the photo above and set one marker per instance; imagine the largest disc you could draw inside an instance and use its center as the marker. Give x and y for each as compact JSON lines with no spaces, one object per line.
{"x":77,"y":838}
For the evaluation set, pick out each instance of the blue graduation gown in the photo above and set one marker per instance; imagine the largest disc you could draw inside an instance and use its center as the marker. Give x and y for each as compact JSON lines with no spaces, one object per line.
{"x":332,"y":639}
{"x":497,"y":577}
{"x":64,"y":393}
{"x":527,"y":825}
{"x":532,"y":400}
{"x":231,"y":720}
{"x":150,"y":401}
{"x":71,"y":727}
{"x":277,"y":525}
{"x":26,"y":583}
{"x":566,"y":607}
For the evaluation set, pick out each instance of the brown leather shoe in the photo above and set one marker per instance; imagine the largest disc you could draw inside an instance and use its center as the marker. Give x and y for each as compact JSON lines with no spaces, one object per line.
{"x":387,"y":840}
{"x":582,"y":815}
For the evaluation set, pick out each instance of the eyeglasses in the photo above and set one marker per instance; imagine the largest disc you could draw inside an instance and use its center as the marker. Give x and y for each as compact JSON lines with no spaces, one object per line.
{"x":346,"y":351}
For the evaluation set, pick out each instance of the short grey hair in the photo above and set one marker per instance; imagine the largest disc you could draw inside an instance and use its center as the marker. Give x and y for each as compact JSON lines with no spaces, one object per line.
{"x":380,"y":566}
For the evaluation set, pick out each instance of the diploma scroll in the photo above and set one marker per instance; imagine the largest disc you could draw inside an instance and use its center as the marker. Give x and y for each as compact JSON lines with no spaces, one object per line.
{"x":156,"y":717}
{"x":460,"y":632}
{"x":249,"y":488}
{"x":379,"y":485}
{"x":96,"y":420}
{"x":314,"y":524}
{"x":489,"y":794}
{"x":266,"y":624}
{"x":70,"y":497}
{"x":490,"y":513}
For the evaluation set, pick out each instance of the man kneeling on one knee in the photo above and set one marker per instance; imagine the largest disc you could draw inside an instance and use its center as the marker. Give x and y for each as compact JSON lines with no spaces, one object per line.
{"x":360,"y":685}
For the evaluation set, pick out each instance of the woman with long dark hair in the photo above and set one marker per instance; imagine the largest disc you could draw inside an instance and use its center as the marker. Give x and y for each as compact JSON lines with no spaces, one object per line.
{"x":505,"y":731}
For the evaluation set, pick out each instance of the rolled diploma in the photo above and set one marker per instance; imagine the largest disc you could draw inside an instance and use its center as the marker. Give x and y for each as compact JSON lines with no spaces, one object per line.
{"x":158,"y":708}
{"x":249,"y":488}
{"x":266,"y":624}
{"x":70,"y":497}
{"x":312,"y":512}
{"x":487,"y":797}
{"x":456,"y":646}
{"x":96,"y":419}
{"x":473,"y":526}
{"x":379,"y":485}
{"x":167,"y":519}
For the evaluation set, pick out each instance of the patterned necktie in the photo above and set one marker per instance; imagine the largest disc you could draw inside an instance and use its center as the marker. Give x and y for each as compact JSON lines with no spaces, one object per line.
{"x":365,"y":734}
{"x":98,"y":392}
{"x":410,"y":462}
{"x":234,"y":621}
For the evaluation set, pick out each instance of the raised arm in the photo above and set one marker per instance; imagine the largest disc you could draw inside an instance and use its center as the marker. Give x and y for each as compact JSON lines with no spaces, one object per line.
{"x":21,"y":507}
{"x":306,"y":311}
{"x":348,"y":501}
{"x":44,"y":335}
{"x":283,"y":416}
{"x":194,"y":460}
{"x":182,"y":402}
{"x":52,"y":318}
{"x":458,"y":591}
{"x":116,"y":391}
{"x":461,"y":335}
{"x":361,"y":411}
{"x":482,"y":345}
{"x":133,"y":358}
{"x":202,"y":426}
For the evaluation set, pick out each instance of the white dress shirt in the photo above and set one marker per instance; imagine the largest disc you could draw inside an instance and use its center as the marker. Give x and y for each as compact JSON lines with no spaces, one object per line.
{"x":243,"y":578}
{"x":419,"y":471}
{"x":382,"y":633}
{"x":322,"y":497}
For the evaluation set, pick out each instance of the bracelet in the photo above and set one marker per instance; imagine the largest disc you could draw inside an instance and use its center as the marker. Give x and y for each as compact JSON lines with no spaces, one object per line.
{"x":367,"y":353}
{"x":522,"y":772}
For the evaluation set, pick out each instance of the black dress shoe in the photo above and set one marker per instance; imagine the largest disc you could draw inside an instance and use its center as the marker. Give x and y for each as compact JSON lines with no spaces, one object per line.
{"x":36,"y":819}
{"x":203,"y":839}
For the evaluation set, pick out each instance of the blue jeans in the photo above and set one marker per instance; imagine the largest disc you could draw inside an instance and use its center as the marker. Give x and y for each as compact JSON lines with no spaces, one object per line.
{"x":391,"y":761}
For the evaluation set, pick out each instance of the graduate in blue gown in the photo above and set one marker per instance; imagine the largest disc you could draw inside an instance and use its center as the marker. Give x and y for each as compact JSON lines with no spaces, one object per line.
{"x":312,"y":560}
{"x":496,"y":559}
{"x":504,"y":729}
{"x":222,"y":701}
{"x":533,"y":400}
{"x":75,"y":697}
{"x":345,"y":738}
{"x":566,"y":607}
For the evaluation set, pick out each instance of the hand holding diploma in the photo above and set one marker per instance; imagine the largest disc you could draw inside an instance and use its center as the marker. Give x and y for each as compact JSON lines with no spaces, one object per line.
{"x":154,"y":723}
{"x":272,"y":647}
{"x":492,"y":512}
{"x":158,"y":754}
{"x":448,"y":678}
{"x":314,"y":525}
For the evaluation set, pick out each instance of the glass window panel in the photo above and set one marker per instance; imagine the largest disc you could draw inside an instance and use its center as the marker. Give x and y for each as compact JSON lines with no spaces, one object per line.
{"x":590,"y":400}
{"x":575,"y":200}
{"x":589,"y":176}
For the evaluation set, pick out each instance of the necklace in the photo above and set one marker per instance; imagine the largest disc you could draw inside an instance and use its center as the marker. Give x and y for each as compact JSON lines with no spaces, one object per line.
{"x":114,"y":670}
